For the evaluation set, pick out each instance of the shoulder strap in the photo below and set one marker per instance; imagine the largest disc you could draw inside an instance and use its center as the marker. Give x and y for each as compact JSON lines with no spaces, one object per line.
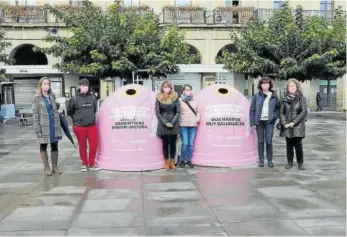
{"x":191,"y":108}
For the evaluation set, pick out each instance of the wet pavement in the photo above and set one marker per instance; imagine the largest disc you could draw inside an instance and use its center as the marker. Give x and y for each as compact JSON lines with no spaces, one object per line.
{"x":200,"y":201}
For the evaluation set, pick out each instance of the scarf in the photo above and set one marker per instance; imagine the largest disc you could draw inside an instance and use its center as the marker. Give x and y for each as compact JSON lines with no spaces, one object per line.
{"x":290,"y":98}
{"x":184,"y":97}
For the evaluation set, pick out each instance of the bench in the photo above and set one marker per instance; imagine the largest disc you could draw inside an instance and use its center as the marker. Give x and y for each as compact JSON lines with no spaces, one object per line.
{"x":25,"y":116}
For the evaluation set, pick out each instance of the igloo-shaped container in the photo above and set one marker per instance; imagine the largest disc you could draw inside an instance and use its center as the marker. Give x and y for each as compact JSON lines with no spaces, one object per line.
{"x":127,"y":127}
{"x":224,"y":137}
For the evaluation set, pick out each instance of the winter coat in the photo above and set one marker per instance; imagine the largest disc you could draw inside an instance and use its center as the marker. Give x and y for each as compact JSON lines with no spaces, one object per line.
{"x":257,"y":107}
{"x":167,"y":111}
{"x":187,"y":117}
{"x":295,"y":112}
{"x":82,"y":108}
{"x":41,"y":119}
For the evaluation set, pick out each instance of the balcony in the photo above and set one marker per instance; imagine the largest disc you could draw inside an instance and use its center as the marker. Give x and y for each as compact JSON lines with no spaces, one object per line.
{"x":141,"y":10}
{"x":266,"y":14}
{"x":23,"y":14}
{"x":232,"y":15}
{"x":184,"y":15}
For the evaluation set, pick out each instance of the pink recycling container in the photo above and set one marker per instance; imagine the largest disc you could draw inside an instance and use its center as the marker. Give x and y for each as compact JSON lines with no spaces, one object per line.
{"x":127,"y":127}
{"x":224,"y":137}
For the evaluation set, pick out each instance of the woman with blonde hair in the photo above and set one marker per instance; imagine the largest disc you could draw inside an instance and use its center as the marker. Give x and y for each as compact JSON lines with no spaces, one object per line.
{"x":293,"y":113}
{"x":47,"y":124}
{"x":167,"y":108}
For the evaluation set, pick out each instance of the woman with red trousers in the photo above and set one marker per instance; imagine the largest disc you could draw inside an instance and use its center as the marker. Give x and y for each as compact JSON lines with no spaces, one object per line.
{"x":82,"y":108}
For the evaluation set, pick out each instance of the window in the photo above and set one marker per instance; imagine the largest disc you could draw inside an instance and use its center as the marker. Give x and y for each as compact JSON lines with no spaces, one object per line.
{"x":131,"y":3}
{"x":230,"y":3}
{"x":278,"y":3}
{"x":75,"y":3}
{"x":326,"y":9}
{"x":182,"y":3}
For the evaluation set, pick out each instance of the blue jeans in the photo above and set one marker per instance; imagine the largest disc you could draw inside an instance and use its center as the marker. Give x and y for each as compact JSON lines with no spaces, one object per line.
{"x":188,"y":138}
{"x":265,"y":132}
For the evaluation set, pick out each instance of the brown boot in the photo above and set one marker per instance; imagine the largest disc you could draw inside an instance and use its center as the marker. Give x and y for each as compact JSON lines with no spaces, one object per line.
{"x":54,"y":157}
{"x":44,"y":159}
{"x":167,"y":164}
{"x":172,"y":164}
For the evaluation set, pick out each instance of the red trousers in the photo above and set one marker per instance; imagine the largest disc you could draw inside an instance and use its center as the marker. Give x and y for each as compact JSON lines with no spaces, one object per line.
{"x":83,"y":134}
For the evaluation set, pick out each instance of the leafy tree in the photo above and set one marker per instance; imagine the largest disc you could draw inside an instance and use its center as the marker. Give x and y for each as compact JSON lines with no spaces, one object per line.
{"x":4,"y":57}
{"x":290,"y":45}
{"x":116,"y":42}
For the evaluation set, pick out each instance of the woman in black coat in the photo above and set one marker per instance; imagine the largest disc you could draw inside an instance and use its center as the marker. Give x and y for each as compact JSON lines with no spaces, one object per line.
{"x":293,"y":113}
{"x":167,"y":108}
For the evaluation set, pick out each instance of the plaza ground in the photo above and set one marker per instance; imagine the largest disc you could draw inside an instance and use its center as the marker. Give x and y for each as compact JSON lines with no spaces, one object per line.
{"x":200,"y":201}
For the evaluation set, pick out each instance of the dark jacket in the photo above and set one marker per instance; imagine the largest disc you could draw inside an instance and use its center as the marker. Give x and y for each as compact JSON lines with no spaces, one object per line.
{"x":295,"y":112}
{"x":167,"y":111}
{"x":82,"y":108}
{"x":257,"y":108}
{"x":41,"y":119}
{"x":318,"y":98}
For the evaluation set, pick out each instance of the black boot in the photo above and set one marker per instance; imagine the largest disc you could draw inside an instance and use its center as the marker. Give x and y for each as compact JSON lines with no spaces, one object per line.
{"x":301,"y":166}
{"x":182,"y":164}
{"x":270,"y":164}
{"x":289,"y":165}
{"x":261,"y":163}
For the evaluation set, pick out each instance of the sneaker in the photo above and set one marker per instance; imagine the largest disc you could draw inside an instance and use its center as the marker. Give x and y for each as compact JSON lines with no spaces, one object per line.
{"x":301,"y":167}
{"x":182,"y":164}
{"x":95,"y":168}
{"x":289,"y":165}
{"x":84,"y":168}
{"x":190,"y":164}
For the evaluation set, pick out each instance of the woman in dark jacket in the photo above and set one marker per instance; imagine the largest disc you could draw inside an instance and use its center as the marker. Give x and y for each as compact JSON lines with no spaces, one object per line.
{"x":47,"y":124}
{"x":263,"y":114}
{"x":82,"y":108}
{"x":167,"y":108}
{"x":293,"y":114}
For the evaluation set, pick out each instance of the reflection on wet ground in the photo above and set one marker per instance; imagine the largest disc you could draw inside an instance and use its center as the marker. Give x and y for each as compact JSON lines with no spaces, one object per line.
{"x":200,"y":201}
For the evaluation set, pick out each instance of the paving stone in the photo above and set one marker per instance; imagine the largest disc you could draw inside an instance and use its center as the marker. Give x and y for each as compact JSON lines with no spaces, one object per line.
{"x":107,"y":232}
{"x":35,"y":233}
{"x":108,"y":220}
{"x":10,"y":226}
{"x":185,"y":230}
{"x":327,"y":231}
{"x":321,"y":222}
{"x":113,"y":193}
{"x":264,"y":228}
{"x":246,"y":213}
{"x":40,"y":213}
{"x":113,"y":205}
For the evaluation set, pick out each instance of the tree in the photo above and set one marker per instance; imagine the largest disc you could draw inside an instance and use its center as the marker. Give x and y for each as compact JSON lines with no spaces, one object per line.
{"x":4,"y":57}
{"x":116,"y":42}
{"x":290,"y":45}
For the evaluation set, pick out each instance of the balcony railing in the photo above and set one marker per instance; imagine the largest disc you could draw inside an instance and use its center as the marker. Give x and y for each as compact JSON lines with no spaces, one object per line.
{"x":266,"y":14}
{"x":23,"y":14}
{"x":141,"y":10}
{"x":232,"y":15}
{"x":184,"y":16}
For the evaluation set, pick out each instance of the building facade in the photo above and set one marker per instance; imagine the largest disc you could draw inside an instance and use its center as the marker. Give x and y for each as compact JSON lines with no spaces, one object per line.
{"x":207,"y":29}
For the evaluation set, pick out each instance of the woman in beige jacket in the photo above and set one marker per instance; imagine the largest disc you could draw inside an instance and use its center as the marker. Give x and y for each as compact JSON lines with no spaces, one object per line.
{"x":189,"y":121}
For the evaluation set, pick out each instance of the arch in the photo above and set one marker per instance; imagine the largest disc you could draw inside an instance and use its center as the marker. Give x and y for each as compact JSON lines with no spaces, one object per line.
{"x":228,"y":47}
{"x":194,"y":52}
{"x":25,"y":55}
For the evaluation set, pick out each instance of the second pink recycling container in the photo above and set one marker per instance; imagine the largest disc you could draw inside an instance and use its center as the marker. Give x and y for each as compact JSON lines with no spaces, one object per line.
{"x":127,"y":127}
{"x":224,"y":137}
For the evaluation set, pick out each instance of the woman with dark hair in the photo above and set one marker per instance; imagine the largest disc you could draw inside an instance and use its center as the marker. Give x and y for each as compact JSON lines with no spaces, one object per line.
{"x":293,"y":114}
{"x":47,"y":124}
{"x":189,"y":120}
{"x":263,"y":114}
{"x":167,"y":108}
{"x":82,"y":108}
